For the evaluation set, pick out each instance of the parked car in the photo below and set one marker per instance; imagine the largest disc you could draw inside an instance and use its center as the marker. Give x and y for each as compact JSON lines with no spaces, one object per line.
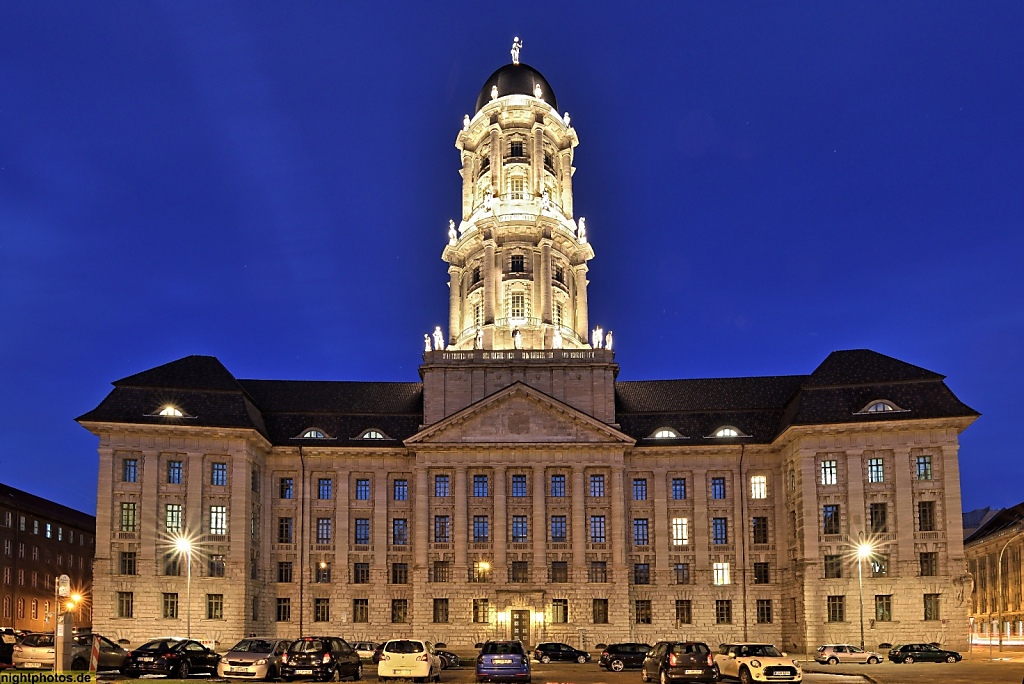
{"x":448,"y":659}
{"x":8,"y":637}
{"x":34,"y":651}
{"x":176,"y":658}
{"x":110,"y":657}
{"x":546,"y":652}
{"x":617,"y":657}
{"x":254,"y":658}
{"x":502,"y":660}
{"x":833,"y":654}
{"x":679,"y":661}
{"x":365,"y":649}
{"x":408,"y":659}
{"x":752,"y":662}
{"x":321,"y":657}
{"x":910,"y":653}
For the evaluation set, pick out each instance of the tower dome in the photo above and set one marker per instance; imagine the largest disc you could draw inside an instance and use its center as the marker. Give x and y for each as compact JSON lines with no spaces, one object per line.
{"x":516,"y":79}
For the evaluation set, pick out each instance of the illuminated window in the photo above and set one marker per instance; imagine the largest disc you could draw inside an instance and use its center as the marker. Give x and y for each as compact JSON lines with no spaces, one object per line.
{"x":313,"y":434}
{"x":516,"y":189}
{"x":665,"y":433}
{"x":720,"y":573}
{"x":372,"y":434}
{"x":829,"y":473}
{"x":727,"y":432}
{"x":680,"y":532}
{"x":517,"y":306}
{"x":876,"y":473}
{"x":758,"y":487}
{"x":478,"y":314}
{"x":172,"y":518}
{"x":172,"y":411}
{"x":218,"y":519}
{"x":924,"y":467}
{"x":557,"y":315}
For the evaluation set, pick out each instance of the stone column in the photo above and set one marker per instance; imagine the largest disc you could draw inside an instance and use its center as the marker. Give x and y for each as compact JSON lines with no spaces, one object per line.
{"x":468,"y":181}
{"x":455,"y":317}
{"x":951,"y":511}
{"x":460,"y":533}
{"x":579,"y":525}
{"x":381,"y":532}
{"x":858,"y":524}
{"x":582,"y":323}
{"x":544,"y":281}
{"x":421,"y":529}
{"x":662,"y":528}
{"x":565,"y":181}
{"x":149,"y":517}
{"x":491,"y":282}
{"x":193,"y":513}
{"x":496,"y":171}
{"x":540,"y":518}
{"x":500,"y":569}
{"x":904,"y":508}
{"x":616,"y":527}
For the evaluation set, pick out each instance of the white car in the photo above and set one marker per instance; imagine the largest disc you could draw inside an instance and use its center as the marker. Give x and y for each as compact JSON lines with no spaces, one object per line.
{"x":751,"y":662}
{"x":408,"y":659}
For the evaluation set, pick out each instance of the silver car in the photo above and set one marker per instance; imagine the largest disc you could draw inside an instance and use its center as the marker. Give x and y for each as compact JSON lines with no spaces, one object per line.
{"x":833,"y":654}
{"x":254,"y":658}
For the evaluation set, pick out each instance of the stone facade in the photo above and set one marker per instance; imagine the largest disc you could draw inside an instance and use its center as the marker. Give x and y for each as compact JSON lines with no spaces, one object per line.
{"x":996,"y":592}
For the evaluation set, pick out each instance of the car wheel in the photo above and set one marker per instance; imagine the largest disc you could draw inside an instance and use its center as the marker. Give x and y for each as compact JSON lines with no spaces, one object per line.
{"x":833,"y":661}
{"x":359,"y":673}
{"x":271,"y":674}
{"x":909,"y":660}
{"x":950,"y":659}
{"x":872,"y":660}
{"x":745,"y":677}
{"x":335,"y":675}
{"x":664,"y":677}
{"x":643,"y":675}
{"x":616,"y":665}
{"x":79,"y":664}
{"x":545,"y":659}
{"x":183,"y":670}
{"x":581,"y":659}
{"x":287,"y":679}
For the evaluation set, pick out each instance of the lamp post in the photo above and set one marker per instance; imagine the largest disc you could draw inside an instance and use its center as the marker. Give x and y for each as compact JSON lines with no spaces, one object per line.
{"x":864,"y":550}
{"x":999,"y":589}
{"x":184,"y":546}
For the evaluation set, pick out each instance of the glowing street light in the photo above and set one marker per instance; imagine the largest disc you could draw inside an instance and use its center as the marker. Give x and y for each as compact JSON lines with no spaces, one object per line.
{"x":184,"y":546}
{"x":864,"y":550}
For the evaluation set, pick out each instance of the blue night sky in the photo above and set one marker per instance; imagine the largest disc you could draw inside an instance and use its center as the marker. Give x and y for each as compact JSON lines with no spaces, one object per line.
{"x":271,"y":182}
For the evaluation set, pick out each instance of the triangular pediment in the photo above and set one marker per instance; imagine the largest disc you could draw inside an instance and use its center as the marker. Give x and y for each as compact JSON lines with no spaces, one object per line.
{"x":519,"y":414}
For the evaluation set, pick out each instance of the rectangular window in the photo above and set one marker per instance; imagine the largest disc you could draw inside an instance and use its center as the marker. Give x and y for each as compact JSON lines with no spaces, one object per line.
{"x":640,"y":534}
{"x":321,"y":610}
{"x":682,"y":573}
{"x":481,"y":610}
{"x":519,"y":486}
{"x":679,"y":488}
{"x":362,"y":531}
{"x":597,"y":535}
{"x":440,"y":610}
{"x":883,"y":607}
{"x":597,"y":573}
{"x":399,"y":610}
{"x":323,"y":530}
{"x":172,"y":518}
{"x":601,"y":611}
{"x":516,"y":148}
{"x":174,"y":472}
{"x":361,"y":573}
{"x":833,"y":566}
{"x":517,"y":306}
{"x":360,"y":610}
{"x":216,"y":565}
{"x":125,"y":604}
{"x":641,"y":573}
{"x":759,"y":529}
{"x":558,"y":485}
{"x":759,"y":487}
{"x":639,"y":489}
{"x":442,"y":486}
{"x":830,"y":519}
{"x":761,"y":573}
{"x":684,"y":612}
{"x":284,"y":571}
{"x":442,"y":529}
{"x":680,"y":532}
{"x":480,"y":485}
{"x":642,"y":611}
{"x":560,"y":610}
{"x":170,"y":606}
{"x":597,"y":486}
{"x":924,"y":467}
{"x":718,"y":488}
{"x":286,"y":488}
{"x":558,"y":529}
{"x":399,"y":573}
{"x":130,"y":469}
{"x":926,"y":516}
{"x":875,"y":471}
{"x":400,"y":532}
{"x":879,"y":564}
{"x":878,"y":517}
{"x":401,"y":490}
{"x":215,"y":606}
{"x":829,"y":472}
{"x":516,"y":188}
{"x":128,"y":519}
{"x":219,"y":474}
{"x":49,"y":530}
{"x":128,"y":563}
{"x":520,"y":571}
{"x":442,"y":571}
{"x":517,"y":264}
{"x":285,"y":531}
{"x":218,"y":519}
{"x":324,"y":485}
{"x":363,"y":489}
{"x":929,"y":563}
{"x":719,"y":531}
{"x":520,"y":533}
{"x":255,"y":482}
{"x":720,"y":574}
{"x":481,"y":529}
{"x":172,"y":563}
{"x":764,"y":611}
{"x":723,"y":612}
{"x":836,"y":608}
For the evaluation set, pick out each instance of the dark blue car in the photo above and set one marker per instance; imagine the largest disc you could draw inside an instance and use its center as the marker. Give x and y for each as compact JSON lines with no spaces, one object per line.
{"x":502,"y":661}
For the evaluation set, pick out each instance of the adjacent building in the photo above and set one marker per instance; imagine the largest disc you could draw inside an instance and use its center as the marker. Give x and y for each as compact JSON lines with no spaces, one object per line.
{"x":41,"y":541}
{"x":519,"y":489}
{"x":994,"y":561}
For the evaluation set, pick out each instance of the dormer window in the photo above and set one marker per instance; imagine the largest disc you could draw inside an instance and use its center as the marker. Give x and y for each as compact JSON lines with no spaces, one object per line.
{"x":372,"y":434}
{"x":665,"y":433}
{"x":313,"y":433}
{"x":171,"y":411}
{"x":727,"y":431}
{"x":881,"y":406}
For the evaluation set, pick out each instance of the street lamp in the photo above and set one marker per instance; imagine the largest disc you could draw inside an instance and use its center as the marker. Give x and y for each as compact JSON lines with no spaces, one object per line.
{"x":184,"y":546}
{"x":864,"y":550}
{"x":999,"y":589}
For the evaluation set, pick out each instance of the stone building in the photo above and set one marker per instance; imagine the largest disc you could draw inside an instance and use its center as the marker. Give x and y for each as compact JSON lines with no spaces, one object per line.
{"x":519,"y":489}
{"x":42,"y":540}
{"x":996,"y":601}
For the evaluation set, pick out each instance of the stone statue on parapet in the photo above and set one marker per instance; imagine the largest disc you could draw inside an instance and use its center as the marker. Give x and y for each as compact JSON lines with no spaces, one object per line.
{"x":581,"y":231}
{"x":438,"y":339}
{"x":517,"y":339}
{"x":465,"y":123}
{"x":608,"y":341}
{"x":517,"y":45}
{"x":453,"y":237}
{"x":597,"y":337}
{"x":426,"y":342}
{"x":556,"y":339}
{"x":478,"y":339}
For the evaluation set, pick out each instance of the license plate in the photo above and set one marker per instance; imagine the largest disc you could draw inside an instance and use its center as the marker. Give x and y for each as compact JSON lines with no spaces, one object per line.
{"x":145,"y":660}
{"x":303,"y":672}
{"x":32,"y":665}
{"x":502,"y":661}
{"x":237,"y":669}
{"x":697,"y":672}
{"x":403,"y":671}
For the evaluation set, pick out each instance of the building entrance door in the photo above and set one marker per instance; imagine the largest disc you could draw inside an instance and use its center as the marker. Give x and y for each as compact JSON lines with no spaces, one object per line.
{"x":521,"y":626}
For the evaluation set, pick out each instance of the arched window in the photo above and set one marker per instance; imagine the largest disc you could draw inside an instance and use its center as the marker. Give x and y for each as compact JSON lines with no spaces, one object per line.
{"x":665,"y":433}
{"x":171,"y":410}
{"x":313,"y":433}
{"x":881,"y":406}
{"x":727,"y":431}
{"x":372,"y":434}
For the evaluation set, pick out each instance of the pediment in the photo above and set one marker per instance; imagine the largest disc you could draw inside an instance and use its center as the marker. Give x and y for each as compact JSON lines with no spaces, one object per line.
{"x":519,"y":414}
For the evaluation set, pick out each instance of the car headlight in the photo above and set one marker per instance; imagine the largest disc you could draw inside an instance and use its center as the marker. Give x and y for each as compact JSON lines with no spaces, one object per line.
{"x":755,"y":663}
{"x":261,"y":661}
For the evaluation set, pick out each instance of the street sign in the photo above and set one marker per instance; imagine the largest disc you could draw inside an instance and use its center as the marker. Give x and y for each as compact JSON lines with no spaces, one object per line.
{"x":63,"y":586}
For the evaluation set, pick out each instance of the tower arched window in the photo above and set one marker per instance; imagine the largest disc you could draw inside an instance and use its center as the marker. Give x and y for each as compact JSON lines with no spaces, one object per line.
{"x":517,"y":189}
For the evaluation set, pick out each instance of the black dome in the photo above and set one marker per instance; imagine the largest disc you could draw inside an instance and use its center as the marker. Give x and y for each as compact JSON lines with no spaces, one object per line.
{"x":516,"y":79}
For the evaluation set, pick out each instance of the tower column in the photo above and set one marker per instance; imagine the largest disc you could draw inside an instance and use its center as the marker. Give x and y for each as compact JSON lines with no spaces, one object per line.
{"x":496,"y":171}
{"x":545,"y":280}
{"x":581,"y":323}
{"x":537,"y":161}
{"x":490,"y":282}
{"x":455,"y":316}
{"x":565,"y":177}
{"x":468,"y":181}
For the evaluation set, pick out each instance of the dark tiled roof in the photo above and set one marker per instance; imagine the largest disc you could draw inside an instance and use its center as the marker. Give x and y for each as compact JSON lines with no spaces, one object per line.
{"x":19,"y":500}
{"x":1004,"y":519}
{"x":318,"y":396}
{"x":191,"y":372}
{"x":863,"y":367}
{"x":706,"y":394}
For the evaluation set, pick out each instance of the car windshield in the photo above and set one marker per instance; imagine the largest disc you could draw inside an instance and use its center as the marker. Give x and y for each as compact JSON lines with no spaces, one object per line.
{"x":687,"y":649}
{"x":307,"y":646}
{"x":158,"y":645}
{"x":764,"y":651}
{"x":38,"y":640}
{"x":253,"y":646}
{"x":404,"y":646}
{"x":502,"y":647}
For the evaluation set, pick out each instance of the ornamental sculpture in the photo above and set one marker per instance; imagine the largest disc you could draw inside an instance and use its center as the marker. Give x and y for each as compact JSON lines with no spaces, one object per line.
{"x":581,"y":231}
{"x":453,"y":237}
{"x":597,"y":338}
{"x":438,"y":339}
{"x":517,"y":45}
{"x":556,"y":339}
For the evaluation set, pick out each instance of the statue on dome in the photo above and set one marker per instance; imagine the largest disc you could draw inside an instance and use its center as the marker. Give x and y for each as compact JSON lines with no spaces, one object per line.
{"x":581,"y":231}
{"x":426,"y":342}
{"x":494,"y":92}
{"x":478,"y":339}
{"x":537,"y":91}
{"x":438,"y":339}
{"x":453,"y":237}
{"x":545,"y":200}
{"x":596,"y":337}
{"x":465,"y":123}
{"x":556,"y":339}
{"x":565,"y":118}
{"x":608,"y":341}
{"x":517,"y":45}
{"x":517,"y":339}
